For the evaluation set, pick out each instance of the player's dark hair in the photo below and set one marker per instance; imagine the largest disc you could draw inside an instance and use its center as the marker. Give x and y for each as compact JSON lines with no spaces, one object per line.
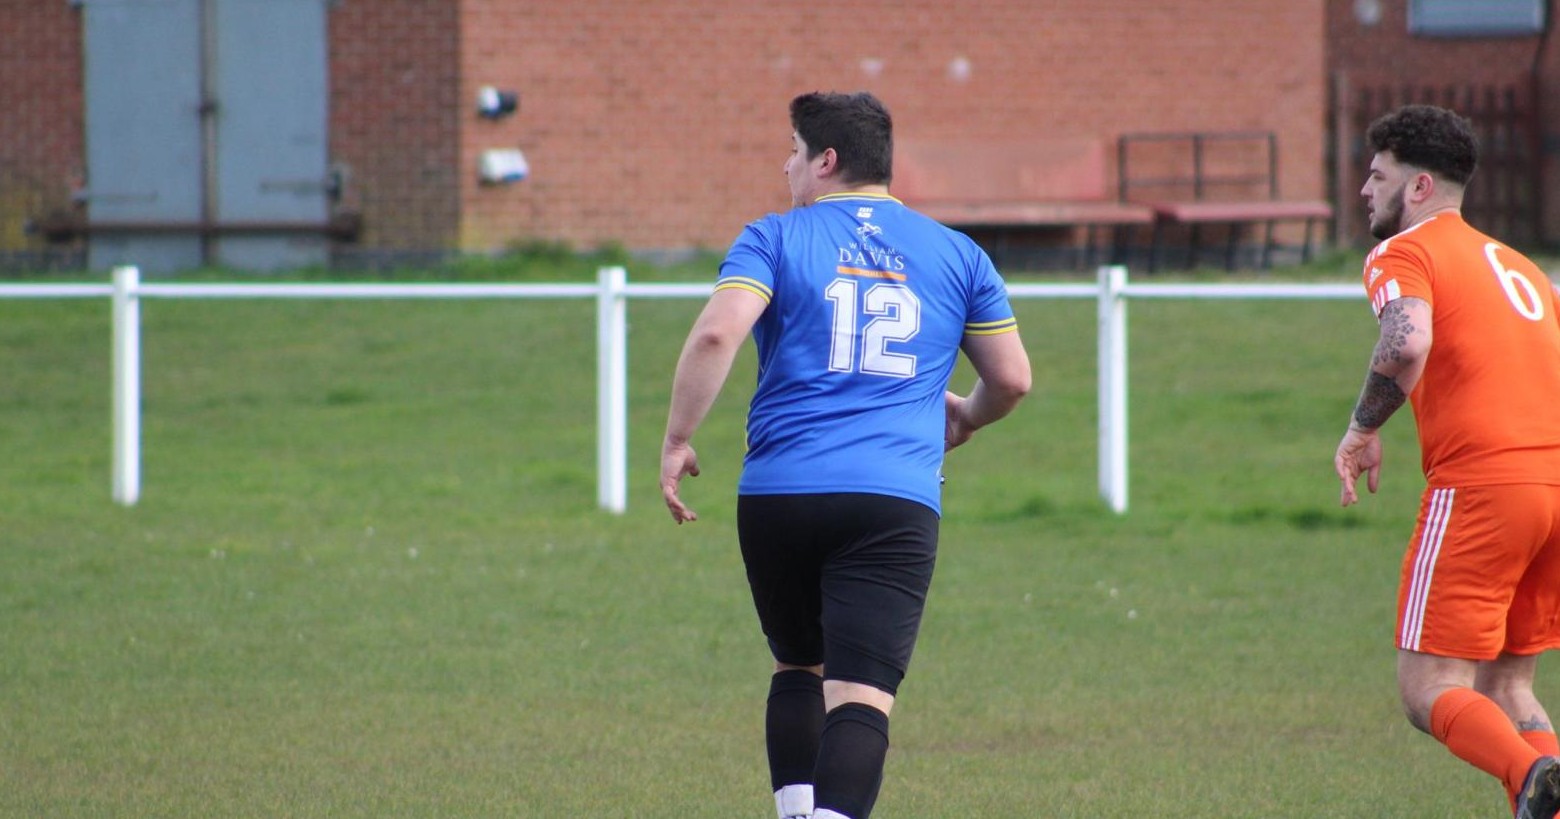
{"x":1428,"y":137}
{"x":857,"y":126}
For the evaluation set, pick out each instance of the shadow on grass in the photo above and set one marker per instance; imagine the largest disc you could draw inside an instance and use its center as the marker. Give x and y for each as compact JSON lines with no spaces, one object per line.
{"x":1308,"y":519}
{"x":1040,"y":507}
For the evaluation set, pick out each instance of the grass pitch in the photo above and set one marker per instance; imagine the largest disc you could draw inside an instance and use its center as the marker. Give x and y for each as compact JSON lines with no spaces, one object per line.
{"x":367,"y":578}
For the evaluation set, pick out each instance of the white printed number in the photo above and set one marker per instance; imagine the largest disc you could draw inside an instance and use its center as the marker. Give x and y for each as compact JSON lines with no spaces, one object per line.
{"x":896,"y":316}
{"x":1521,"y":292}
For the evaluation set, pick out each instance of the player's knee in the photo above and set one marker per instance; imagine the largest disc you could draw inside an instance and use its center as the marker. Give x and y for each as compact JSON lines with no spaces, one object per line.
{"x":840,"y":692}
{"x":1512,"y":695}
{"x":1495,"y":689}
{"x":1418,"y":714}
{"x":1417,"y":701}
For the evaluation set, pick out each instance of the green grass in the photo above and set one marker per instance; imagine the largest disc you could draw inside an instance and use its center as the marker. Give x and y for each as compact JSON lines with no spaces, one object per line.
{"x":367,"y":578}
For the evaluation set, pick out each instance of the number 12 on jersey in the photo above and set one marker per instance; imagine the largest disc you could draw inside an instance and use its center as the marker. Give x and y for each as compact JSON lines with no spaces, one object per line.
{"x":895,"y":317}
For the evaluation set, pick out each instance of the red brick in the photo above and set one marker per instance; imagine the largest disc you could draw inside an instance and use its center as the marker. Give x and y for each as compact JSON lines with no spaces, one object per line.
{"x":662,"y":123}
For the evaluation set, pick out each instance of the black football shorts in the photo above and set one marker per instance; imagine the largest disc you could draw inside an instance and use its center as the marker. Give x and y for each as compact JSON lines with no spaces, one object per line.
{"x":839,"y":579}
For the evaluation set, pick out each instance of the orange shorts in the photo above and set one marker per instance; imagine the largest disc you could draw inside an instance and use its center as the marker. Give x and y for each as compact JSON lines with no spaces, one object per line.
{"x":1482,"y":574}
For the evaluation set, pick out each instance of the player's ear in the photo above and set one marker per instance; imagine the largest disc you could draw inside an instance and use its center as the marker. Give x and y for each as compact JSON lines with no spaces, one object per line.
{"x":830,"y":162}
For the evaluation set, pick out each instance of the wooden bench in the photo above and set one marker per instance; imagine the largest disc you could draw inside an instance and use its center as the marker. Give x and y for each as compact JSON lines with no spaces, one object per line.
{"x":1014,"y":184}
{"x":1226,"y":178}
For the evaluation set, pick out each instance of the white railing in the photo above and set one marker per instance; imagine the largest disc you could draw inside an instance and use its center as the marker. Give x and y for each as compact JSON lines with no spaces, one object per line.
{"x":611,"y":292}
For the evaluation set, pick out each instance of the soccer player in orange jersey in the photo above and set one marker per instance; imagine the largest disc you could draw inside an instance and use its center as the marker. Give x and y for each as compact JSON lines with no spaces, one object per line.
{"x":1471,"y":337}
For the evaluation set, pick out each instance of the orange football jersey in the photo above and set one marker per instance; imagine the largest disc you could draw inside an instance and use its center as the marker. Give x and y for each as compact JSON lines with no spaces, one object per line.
{"x":1488,"y":404}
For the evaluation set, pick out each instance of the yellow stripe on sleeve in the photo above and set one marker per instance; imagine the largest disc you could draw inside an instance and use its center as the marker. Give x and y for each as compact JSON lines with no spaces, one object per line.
{"x":750,"y":285}
{"x":991,"y":328}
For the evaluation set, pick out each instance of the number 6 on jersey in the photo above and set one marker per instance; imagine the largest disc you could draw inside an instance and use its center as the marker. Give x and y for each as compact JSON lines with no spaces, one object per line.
{"x":1527,"y":302}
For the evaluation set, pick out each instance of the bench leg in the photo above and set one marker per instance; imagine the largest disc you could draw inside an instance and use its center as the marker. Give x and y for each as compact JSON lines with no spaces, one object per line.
{"x":1267,"y":244}
{"x":1192,"y":254}
{"x":1305,"y":249}
{"x":1231,"y":245}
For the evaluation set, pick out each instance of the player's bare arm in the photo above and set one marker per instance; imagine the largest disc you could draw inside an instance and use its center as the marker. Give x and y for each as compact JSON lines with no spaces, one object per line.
{"x":1396,"y":362}
{"x":1004,"y":379}
{"x":1395,"y":366}
{"x":705,"y":362}
{"x":1380,"y":398}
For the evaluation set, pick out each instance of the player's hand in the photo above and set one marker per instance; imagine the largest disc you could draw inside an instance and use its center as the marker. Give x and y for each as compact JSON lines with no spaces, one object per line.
{"x":677,"y":460}
{"x":956,"y":428}
{"x":1358,"y":453}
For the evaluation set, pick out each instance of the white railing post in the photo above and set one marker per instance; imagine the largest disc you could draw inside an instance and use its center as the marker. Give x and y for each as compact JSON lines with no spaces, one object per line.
{"x":127,"y":385}
{"x":1112,"y":376}
{"x":612,"y":390}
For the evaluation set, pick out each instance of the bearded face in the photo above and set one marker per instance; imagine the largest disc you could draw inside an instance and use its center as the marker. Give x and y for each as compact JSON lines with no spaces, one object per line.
{"x":1383,"y":193}
{"x":1386,"y":213}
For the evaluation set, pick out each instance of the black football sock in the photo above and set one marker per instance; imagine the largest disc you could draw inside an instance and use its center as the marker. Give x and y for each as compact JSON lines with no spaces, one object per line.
{"x":792,"y":724}
{"x":850,"y":760}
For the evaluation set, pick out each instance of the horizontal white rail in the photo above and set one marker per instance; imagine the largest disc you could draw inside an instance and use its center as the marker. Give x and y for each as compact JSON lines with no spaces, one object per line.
{"x":368,"y":291}
{"x":611,"y":292}
{"x":55,"y":291}
{"x":1243,"y":291}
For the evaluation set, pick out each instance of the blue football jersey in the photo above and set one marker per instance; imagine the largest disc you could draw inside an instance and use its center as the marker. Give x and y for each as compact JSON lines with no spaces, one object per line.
{"x":868,"y":302}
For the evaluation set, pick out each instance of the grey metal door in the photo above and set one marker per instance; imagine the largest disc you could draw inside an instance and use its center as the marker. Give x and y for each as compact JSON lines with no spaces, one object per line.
{"x":206,"y":133}
{"x":143,"y":101}
{"x":271,"y":149}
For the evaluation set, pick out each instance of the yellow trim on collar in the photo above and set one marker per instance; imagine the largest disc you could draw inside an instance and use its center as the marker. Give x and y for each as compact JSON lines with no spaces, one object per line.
{"x":829,"y":197}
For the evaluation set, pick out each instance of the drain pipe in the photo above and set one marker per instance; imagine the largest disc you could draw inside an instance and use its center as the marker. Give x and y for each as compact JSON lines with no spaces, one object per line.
{"x":208,"y":128}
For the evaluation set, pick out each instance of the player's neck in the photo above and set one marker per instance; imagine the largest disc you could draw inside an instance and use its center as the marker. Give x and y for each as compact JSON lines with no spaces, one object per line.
{"x":846,"y":190}
{"x":1431,"y":211}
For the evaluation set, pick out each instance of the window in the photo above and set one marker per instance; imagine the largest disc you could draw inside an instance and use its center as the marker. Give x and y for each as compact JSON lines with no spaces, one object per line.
{"x":1476,"y":18}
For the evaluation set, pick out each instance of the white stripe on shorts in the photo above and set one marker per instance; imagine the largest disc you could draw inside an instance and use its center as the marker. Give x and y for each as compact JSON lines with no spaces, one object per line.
{"x":1424,"y":568}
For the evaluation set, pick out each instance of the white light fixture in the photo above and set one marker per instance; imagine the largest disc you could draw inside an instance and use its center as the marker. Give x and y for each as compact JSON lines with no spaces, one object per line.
{"x":493,"y":103}
{"x":503,"y":165}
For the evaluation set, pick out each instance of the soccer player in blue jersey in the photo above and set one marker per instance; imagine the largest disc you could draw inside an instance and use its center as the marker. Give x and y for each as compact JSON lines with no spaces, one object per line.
{"x":859,"y":307}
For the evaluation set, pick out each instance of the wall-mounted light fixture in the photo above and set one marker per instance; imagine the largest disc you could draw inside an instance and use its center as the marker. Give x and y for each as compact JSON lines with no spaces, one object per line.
{"x":503,"y":165}
{"x":494,"y":104}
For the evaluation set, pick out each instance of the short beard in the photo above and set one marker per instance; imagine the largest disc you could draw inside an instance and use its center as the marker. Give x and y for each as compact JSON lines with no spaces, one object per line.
{"x":1392,"y":224}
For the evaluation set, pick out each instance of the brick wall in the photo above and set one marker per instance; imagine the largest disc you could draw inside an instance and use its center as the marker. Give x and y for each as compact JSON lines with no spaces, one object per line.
{"x":394,"y":68}
{"x":42,"y":154}
{"x":664,"y":125}
{"x":1385,"y":50}
{"x":1381,"y":53}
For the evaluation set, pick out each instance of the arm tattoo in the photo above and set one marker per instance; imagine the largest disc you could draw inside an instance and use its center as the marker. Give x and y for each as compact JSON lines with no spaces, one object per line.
{"x":1395,"y":330}
{"x":1381,"y":397}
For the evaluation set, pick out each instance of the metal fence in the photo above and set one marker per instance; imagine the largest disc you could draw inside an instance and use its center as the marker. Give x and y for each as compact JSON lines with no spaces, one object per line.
{"x":612,"y":291}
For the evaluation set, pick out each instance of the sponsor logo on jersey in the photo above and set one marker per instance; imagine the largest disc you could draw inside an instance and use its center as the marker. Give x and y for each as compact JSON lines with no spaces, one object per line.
{"x":872,"y":262}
